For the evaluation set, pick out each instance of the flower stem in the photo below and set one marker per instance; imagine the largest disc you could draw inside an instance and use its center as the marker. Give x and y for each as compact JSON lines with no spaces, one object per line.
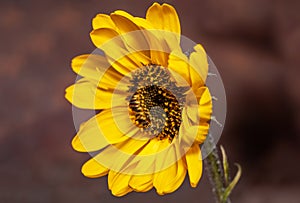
{"x":219,"y":173}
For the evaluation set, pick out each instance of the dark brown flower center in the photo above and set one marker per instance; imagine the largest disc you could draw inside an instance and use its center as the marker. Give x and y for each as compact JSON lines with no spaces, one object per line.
{"x":153,"y":106}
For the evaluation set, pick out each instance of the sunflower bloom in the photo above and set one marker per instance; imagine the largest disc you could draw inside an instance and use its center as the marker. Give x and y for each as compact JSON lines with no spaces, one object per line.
{"x":151,"y":102}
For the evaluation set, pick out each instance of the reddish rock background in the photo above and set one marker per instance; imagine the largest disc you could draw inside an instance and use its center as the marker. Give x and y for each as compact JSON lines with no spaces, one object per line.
{"x":255,"y":45}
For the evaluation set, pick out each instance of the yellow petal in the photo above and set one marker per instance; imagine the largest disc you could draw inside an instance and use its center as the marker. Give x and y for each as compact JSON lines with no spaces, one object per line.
{"x":120,"y":157}
{"x":118,"y":183}
{"x":195,"y":119}
{"x":141,"y":183}
{"x":102,"y":130}
{"x":103,"y":21}
{"x":205,"y":105}
{"x":102,"y":35}
{"x":201,"y":112}
{"x":93,"y":169}
{"x":124,"y":13}
{"x":86,"y":65}
{"x":83,"y":95}
{"x":131,"y":146}
{"x":194,"y":164}
{"x":187,"y":132}
{"x":141,"y":22}
{"x":202,"y":131}
{"x":171,"y":20}
{"x":115,"y":50}
{"x":154,"y":146}
{"x":159,"y":58}
{"x":124,"y":23}
{"x":178,"y":62}
{"x":159,"y":50}
{"x":96,"y":68}
{"x":163,"y":17}
{"x":193,"y":133}
{"x":138,"y":157}
{"x":123,"y":60}
{"x":86,"y":95}
{"x":170,"y":179}
{"x":199,"y":67}
{"x":127,"y":63}
{"x":205,"y":112}
{"x":112,"y":79}
{"x":109,"y":99}
{"x":133,"y":37}
{"x":152,"y":157}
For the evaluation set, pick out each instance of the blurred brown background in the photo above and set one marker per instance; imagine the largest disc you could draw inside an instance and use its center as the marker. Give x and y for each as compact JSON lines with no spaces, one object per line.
{"x":254,"y":43}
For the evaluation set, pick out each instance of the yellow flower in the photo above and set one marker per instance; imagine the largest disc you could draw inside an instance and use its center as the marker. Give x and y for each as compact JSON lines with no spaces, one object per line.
{"x":153,"y":107}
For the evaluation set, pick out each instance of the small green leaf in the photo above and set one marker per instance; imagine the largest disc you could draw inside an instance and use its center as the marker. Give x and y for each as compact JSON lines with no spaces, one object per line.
{"x":230,"y":187}
{"x":225,"y":166}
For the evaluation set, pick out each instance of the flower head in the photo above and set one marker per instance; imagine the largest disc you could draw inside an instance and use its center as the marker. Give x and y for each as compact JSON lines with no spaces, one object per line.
{"x":153,"y":107}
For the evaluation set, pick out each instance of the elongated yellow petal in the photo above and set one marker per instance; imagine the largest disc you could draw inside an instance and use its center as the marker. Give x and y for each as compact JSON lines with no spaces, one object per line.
{"x":139,"y":157}
{"x":205,"y":106}
{"x":113,"y":46}
{"x":117,"y":54}
{"x":185,"y":134}
{"x":193,"y":133}
{"x":170,"y":179}
{"x":103,"y":35}
{"x":159,"y":50}
{"x":83,"y":95}
{"x":201,"y":112}
{"x":195,"y":118}
{"x":199,"y":67}
{"x":124,"y":14}
{"x":171,"y":20}
{"x":118,"y":183}
{"x":123,"y":60}
{"x":154,"y":16}
{"x":103,"y":21}
{"x":127,"y":63}
{"x":115,"y":50}
{"x":120,"y":157}
{"x":97,"y":69}
{"x":159,"y":58}
{"x":154,"y":146}
{"x":164,"y":17}
{"x":93,"y":169}
{"x":178,"y":62}
{"x":86,"y":95}
{"x":100,"y":131}
{"x":86,"y":65}
{"x":141,"y":22}
{"x":110,"y":79}
{"x":202,"y":131}
{"x":118,"y":44}
{"x":124,"y":23}
{"x":205,"y":112}
{"x":188,"y":132}
{"x":141,"y":183}
{"x":194,"y":164}
{"x":134,"y":39}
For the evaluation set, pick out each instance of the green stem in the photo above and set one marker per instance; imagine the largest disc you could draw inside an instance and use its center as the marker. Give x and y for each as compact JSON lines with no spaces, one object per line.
{"x":215,"y":171}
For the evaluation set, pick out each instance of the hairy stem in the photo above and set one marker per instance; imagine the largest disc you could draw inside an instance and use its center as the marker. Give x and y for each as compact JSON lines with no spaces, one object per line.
{"x":215,"y":171}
